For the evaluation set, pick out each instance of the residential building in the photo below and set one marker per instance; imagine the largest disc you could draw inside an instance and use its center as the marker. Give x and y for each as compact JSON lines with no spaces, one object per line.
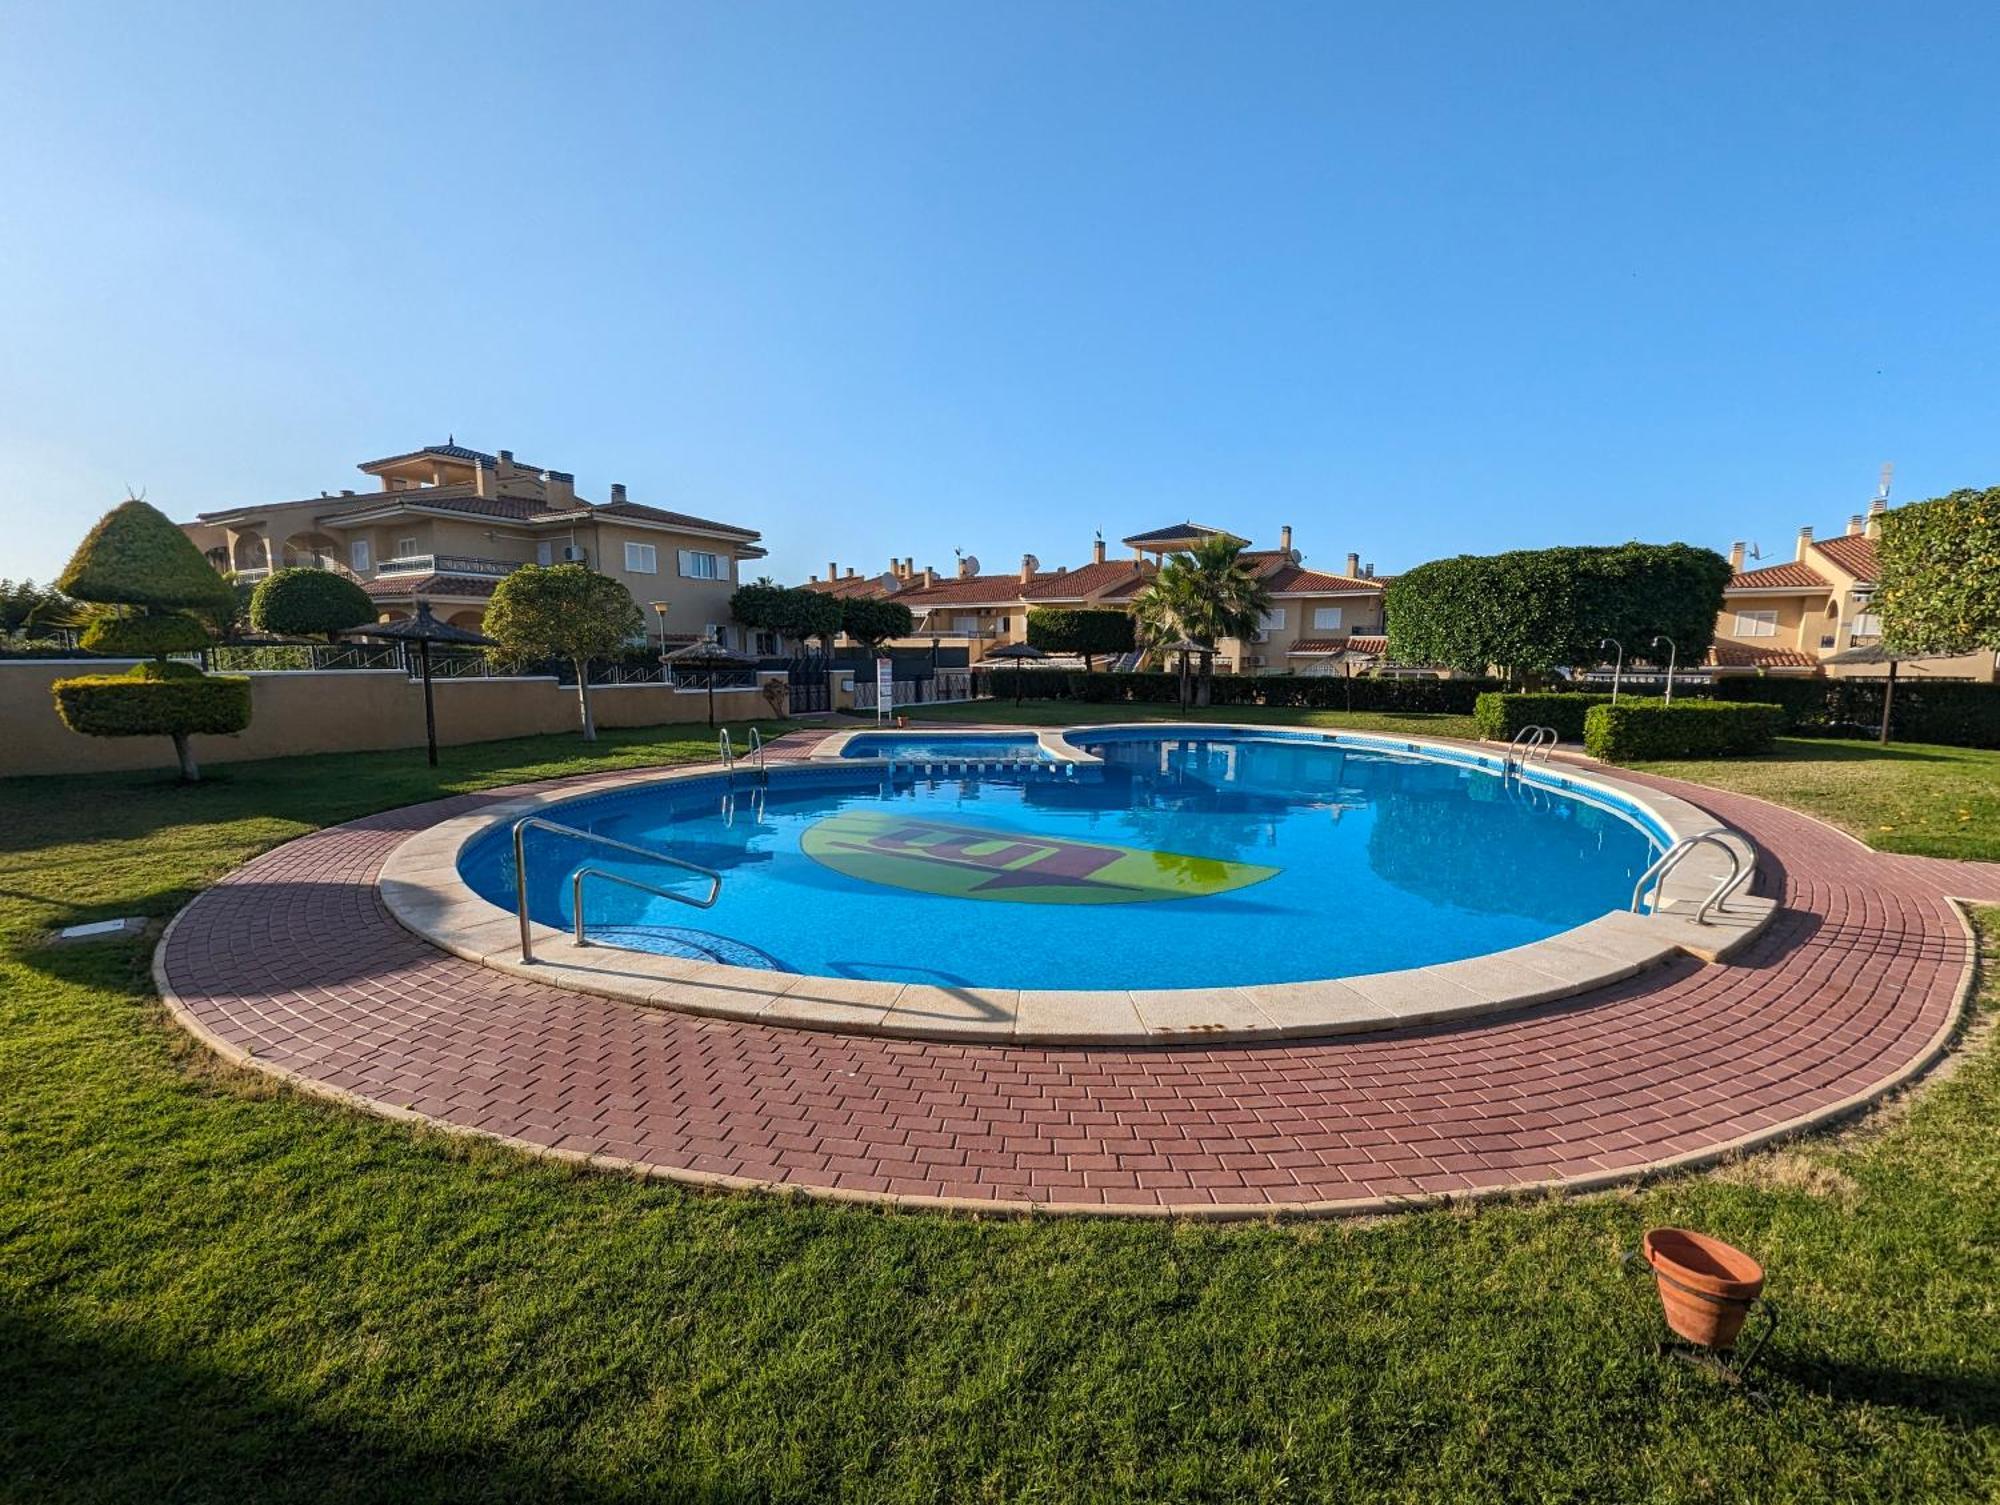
{"x":446,"y":523}
{"x":1790,"y":618}
{"x":1319,"y":621}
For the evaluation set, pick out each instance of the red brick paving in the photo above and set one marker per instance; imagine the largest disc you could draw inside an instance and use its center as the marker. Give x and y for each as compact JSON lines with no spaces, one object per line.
{"x":293,"y":962}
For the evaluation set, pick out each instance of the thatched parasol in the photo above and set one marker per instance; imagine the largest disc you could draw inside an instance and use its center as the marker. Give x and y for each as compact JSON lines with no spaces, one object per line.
{"x":423,"y":629}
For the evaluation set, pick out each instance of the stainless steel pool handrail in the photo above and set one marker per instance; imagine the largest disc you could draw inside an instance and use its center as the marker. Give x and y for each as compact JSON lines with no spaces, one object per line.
{"x":1656,"y":875}
{"x":576,"y":892}
{"x":725,"y":752}
{"x":756,"y":755}
{"x":543,"y":823}
{"x":1524,"y":744}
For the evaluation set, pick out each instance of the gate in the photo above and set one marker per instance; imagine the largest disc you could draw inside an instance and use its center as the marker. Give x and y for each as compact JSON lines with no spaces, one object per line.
{"x":809,"y":692}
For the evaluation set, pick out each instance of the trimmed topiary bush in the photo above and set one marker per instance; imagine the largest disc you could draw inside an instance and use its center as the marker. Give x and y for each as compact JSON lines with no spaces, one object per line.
{"x":299,"y":602}
{"x":152,"y":634}
{"x":138,"y":561}
{"x":1089,"y":633}
{"x":1501,"y":715}
{"x":1638,"y":730}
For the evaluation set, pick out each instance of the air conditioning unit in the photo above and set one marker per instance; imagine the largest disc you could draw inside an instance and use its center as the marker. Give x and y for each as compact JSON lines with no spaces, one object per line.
{"x":575,"y":554}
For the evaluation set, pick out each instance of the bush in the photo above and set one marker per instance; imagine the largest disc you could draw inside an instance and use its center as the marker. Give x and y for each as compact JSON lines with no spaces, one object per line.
{"x":1501,"y":715}
{"x":140,"y":705}
{"x":152,"y":634}
{"x":135,"y":556}
{"x":1091,"y":633}
{"x":1940,"y":586}
{"x":1951,"y":713}
{"x":307,"y":602}
{"x":1297,"y":691}
{"x":1636,"y":730}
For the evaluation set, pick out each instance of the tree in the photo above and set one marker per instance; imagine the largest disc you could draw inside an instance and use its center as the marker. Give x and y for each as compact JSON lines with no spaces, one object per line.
{"x":759,"y":604}
{"x":1088,"y":632}
{"x":302,"y":602}
{"x":789,"y":611}
{"x":564,"y":611}
{"x":149,"y":577}
{"x":1940,"y":585}
{"x":871,"y":622}
{"x":19,"y":601}
{"x":1204,"y":595}
{"x":1534,"y":610}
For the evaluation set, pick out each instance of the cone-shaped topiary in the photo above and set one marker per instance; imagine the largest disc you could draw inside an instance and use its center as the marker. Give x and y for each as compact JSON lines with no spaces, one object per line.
{"x":295,"y":602}
{"x":152,"y":634}
{"x":135,"y":556}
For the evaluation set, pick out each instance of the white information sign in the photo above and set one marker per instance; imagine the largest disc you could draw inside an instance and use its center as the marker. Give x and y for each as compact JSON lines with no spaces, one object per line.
{"x":885,"y":690}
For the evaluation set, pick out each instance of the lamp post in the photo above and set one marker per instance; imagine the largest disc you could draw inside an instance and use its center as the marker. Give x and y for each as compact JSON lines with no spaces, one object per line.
{"x":1617,"y":669}
{"x":1673,"y":653}
{"x":660,"y":611}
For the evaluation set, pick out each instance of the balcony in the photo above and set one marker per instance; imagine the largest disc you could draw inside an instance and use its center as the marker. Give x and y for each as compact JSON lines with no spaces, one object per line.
{"x":446,"y":564}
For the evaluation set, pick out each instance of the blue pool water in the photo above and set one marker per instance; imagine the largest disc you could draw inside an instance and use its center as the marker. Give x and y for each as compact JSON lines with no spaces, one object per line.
{"x":1193,"y":857}
{"x":915,"y":746}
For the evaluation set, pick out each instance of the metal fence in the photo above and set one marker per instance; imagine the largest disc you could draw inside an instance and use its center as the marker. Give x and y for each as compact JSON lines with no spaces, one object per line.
{"x":937,"y":689}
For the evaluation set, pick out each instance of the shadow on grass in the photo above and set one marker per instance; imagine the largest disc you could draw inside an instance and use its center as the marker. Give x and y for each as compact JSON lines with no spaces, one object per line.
{"x":85,"y":1420}
{"x":1962,"y":1399}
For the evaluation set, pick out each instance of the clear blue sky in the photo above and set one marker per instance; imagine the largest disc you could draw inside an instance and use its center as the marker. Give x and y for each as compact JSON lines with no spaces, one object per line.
{"x":893,"y":279}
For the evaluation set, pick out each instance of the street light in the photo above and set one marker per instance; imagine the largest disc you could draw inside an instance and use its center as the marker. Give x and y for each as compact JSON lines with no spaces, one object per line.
{"x":660,"y":610}
{"x":1617,"y":669}
{"x":1673,"y":653}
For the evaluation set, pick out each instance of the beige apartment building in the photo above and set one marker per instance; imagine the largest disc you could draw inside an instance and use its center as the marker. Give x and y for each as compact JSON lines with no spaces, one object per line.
{"x":1790,"y":618}
{"x":1319,"y":623}
{"x":445,"y":523}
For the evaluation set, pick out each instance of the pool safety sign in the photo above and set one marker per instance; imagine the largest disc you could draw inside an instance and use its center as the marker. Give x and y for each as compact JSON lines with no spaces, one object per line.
{"x":972,"y":862}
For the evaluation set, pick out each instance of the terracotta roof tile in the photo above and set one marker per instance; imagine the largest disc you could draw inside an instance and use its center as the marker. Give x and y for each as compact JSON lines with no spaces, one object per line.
{"x":1777,"y":577}
{"x":1728,"y":655}
{"x":399,"y":587}
{"x":1370,"y":645}
{"x":974,"y":590}
{"x":1296,"y":580}
{"x":1855,"y":553}
{"x":1087,"y":580}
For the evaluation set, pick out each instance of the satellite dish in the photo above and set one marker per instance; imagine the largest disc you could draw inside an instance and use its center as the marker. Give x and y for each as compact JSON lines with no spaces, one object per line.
{"x":971,"y":562}
{"x":1030,"y":563}
{"x":1295,"y":556}
{"x":888,"y":581}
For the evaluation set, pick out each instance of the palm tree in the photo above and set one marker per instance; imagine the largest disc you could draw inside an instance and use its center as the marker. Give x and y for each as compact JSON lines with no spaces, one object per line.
{"x":1204,"y":595}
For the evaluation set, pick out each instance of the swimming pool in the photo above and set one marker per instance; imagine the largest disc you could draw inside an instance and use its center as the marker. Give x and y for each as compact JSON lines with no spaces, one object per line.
{"x":919,"y":747}
{"x":1175,"y":857}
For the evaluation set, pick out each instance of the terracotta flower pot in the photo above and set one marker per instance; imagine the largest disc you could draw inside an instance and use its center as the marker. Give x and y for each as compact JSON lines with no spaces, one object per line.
{"x":1706,"y":1286}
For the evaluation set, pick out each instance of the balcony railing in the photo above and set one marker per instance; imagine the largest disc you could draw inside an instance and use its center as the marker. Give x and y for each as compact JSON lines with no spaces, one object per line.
{"x":446,"y":564}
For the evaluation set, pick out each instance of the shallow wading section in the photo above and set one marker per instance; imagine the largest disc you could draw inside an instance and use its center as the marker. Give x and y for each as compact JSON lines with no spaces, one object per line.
{"x":293,"y":966}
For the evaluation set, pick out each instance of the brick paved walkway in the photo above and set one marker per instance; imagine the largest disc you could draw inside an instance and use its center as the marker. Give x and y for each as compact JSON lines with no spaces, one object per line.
{"x":293,"y":966}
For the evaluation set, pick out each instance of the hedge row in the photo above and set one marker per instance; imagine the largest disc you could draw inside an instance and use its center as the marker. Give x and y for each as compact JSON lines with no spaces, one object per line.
{"x":134,"y":705}
{"x":1635,"y":730}
{"x":1310,"y":692}
{"x":1953,"y":714}
{"x":1501,"y":715}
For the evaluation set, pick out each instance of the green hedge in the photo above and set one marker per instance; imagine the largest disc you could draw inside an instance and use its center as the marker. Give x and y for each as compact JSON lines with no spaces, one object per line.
{"x":122,"y":705}
{"x":293,"y":602}
{"x":1635,"y":730}
{"x":1954,"y":714}
{"x":151,"y":634}
{"x":1501,"y":715}
{"x":1299,"y":691}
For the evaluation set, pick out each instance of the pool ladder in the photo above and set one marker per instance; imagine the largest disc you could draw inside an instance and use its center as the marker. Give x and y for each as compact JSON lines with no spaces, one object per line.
{"x":753,"y":750}
{"x":1655,"y":876}
{"x":1531,"y":744}
{"x":543,"y":823}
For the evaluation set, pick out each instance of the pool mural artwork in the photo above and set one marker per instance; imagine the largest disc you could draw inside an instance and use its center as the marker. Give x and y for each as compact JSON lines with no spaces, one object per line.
{"x":1162,"y":857}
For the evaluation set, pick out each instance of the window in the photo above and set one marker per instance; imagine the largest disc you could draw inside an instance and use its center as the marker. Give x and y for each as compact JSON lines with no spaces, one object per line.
{"x":1756,"y":624}
{"x":965,"y":627}
{"x":1326,"y":618}
{"x":357,"y":557}
{"x":695,"y":566}
{"x":1274,"y":620}
{"x":545,"y":553}
{"x":405,"y":547}
{"x":1867,"y":622}
{"x":642,"y":559}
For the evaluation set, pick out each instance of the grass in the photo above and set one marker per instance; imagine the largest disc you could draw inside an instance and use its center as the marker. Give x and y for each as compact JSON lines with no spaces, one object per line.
{"x":1908,"y":797}
{"x":215,"y":1289}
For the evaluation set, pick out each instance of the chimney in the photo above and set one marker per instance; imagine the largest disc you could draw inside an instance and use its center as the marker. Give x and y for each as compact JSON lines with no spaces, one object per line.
{"x":1805,"y":543}
{"x":505,"y":469}
{"x":1353,"y":566}
{"x":1027,"y":568}
{"x":617,"y":491}
{"x":1876,"y":508}
{"x":1854,"y":525}
{"x":559,"y":488}
{"x":812,"y":580}
{"x":482,"y":484}
{"x":1368,"y":571}
{"x":1097,"y":552}
{"x":1736,"y":552}
{"x":895,"y":567}
{"x":909,"y":565}
{"x":965,"y":567}
{"x":850,"y":572}
{"x":832,"y":570}
{"x":1285,"y":538}
{"x":346,"y":491}
{"x":930,"y":577}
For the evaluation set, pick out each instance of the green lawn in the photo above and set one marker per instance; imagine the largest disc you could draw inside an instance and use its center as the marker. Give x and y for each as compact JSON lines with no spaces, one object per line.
{"x":1908,"y":797}
{"x":214,"y":1289}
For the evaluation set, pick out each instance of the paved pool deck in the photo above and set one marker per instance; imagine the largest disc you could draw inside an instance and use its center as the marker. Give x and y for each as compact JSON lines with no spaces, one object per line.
{"x":293,"y":966}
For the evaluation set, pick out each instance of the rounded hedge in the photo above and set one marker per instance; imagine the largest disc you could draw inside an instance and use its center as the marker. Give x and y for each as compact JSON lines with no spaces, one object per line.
{"x":298,"y":602}
{"x":152,"y":634}
{"x":163,"y":668}
{"x":135,"y":556}
{"x":121,"y":705}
